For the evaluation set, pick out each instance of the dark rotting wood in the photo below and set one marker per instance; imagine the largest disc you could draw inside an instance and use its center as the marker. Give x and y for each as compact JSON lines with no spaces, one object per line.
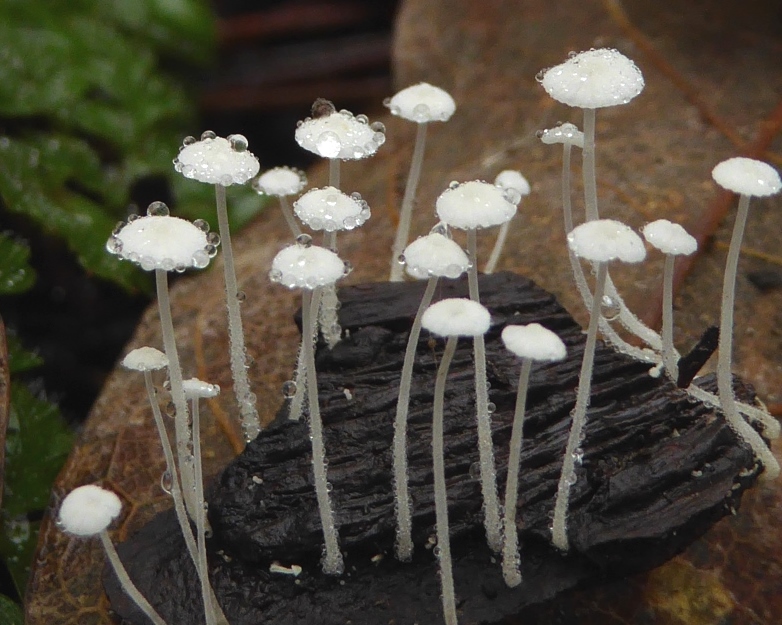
{"x":658,"y":470}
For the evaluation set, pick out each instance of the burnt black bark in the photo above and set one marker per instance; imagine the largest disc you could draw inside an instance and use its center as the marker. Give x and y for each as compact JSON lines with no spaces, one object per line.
{"x":658,"y":470}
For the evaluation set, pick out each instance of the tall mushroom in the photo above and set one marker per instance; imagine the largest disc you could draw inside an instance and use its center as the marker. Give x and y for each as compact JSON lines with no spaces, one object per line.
{"x":600,"y":241}
{"x":748,"y":178}
{"x":470,"y":206}
{"x":531,"y":343}
{"x":449,"y":318}
{"x":161,"y":243}
{"x":515,"y":186}
{"x":224,"y":162}
{"x":311,"y":268}
{"x":430,"y":257}
{"x":422,"y":103}
{"x":282,"y":182}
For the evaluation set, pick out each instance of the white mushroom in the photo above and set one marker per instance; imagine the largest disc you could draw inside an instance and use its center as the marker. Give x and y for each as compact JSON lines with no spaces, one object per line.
{"x":515,"y":186}
{"x":311,"y":268}
{"x":422,"y":103}
{"x":600,"y":242}
{"x":531,"y":343}
{"x":449,"y":318}
{"x":748,"y":178}
{"x":282,"y":182}
{"x":430,"y":257}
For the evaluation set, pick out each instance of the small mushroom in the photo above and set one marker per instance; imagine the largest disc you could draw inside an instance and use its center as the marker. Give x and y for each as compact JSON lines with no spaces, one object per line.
{"x":430,"y":257}
{"x":311,"y":268}
{"x":515,"y":186}
{"x":224,"y":162}
{"x":450,"y":318}
{"x":282,"y":182}
{"x":422,"y":103}
{"x":88,"y":511}
{"x":600,"y":241}
{"x":747,"y":177}
{"x":531,"y":343}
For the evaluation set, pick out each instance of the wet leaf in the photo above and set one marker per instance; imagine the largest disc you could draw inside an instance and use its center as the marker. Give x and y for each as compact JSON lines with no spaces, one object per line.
{"x":16,"y":275}
{"x":10,"y":612}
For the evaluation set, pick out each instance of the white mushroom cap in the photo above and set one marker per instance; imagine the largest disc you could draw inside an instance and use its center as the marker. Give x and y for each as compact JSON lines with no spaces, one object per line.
{"x":306,"y":267}
{"x":669,"y":238}
{"x":280,"y":181}
{"x":340,"y":135}
{"x":534,"y":342}
{"x":456,"y":317}
{"x":513,"y":179}
{"x":604,"y":240}
{"x":422,"y":103}
{"x":330,"y":209}
{"x":594,"y":79}
{"x":158,"y":241}
{"x":435,"y":255}
{"x":216,"y":160}
{"x":474,"y":204}
{"x":88,"y":510}
{"x":196,"y":389}
{"x":747,"y":176}
{"x":145,"y":359}
{"x":566,"y":133}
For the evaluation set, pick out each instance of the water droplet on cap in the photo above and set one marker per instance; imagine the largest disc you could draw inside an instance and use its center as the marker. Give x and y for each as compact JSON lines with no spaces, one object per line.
{"x":208,"y":135}
{"x":158,"y":209}
{"x":238,"y":143}
{"x":304,"y":240}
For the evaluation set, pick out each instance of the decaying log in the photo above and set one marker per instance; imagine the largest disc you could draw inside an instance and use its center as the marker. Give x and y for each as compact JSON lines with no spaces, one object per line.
{"x":658,"y":469}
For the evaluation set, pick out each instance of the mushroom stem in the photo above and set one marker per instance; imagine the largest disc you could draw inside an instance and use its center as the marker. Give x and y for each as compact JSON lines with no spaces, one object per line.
{"x":724,"y":375}
{"x":670,"y":360}
{"x":125,"y":582}
{"x":510,"y":550}
{"x":496,"y":251}
{"x":251,"y":424}
{"x":588,"y":169}
{"x":406,"y":212}
{"x":567,"y":205}
{"x":287,"y":212}
{"x":771,"y":426}
{"x":332,"y":560}
{"x":440,"y":492}
{"x":203,"y":564}
{"x":176,"y":493}
{"x":404,"y":539}
{"x":334,"y":172}
{"x":181,"y":419}
{"x":568,"y":476}
{"x":491,"y":503}
{"x":330,"y":240}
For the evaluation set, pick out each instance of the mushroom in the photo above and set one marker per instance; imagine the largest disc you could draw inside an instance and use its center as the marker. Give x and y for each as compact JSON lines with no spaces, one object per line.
{"x":672,"y":240}
{"x":338,"y":135}
{"x":422,"y":103}
{"x":430,"y":257}
{"x":531,"y":343}
{"x":195,"y":389}
{"x":600,"y":241}
{"x":469,"y":206}
{"x":450,"y":318}
{"x":515,"y":187}
{"x":161,"y":243}
{"x":747,"y":177}
{"x":282,"y":182}
{"x":223,"y":162}
{"x":88,"y":511}
{"x":591,"y":80}
{"x":310,"y":268}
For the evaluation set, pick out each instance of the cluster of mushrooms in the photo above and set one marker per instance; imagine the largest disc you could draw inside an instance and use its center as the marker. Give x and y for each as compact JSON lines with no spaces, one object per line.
{"x":162,"y":243}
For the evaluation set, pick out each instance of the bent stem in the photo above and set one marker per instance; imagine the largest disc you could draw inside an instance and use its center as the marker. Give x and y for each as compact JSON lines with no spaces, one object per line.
{"x":181,"y":419}
{"x":287,"y":212}
{"x":670,"y":361}
{"x":404,"y":538}
{"x":491,"y":503}
{"x":251,"y":423}
{"x":406,"y":212}
{"x":125,"y":582}
{"x":771,"y":426}
{"x":496,"y":251}
{"x":568,"y":476}
{"x":724,"y":375}
{"x":332,"y":560}
{"x":510,"y":549}
{"x":440,"y":492}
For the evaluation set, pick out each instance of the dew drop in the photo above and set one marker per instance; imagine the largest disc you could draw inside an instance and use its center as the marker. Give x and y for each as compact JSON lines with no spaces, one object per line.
{"x":304,"y":240}
{"x":213,"y":239}
{"x":238,"y":143}
{"x":241,"y":296}
{"x":202,"y":225}
{"x":166,"y":482}
{"x":188,"y":140}
{"x":401,"y":259}
{"x":328,"y":144}
{"x":171,"y":409}
{"x":208,"y":135}
{"x":289,"y":389}
{"x":610,"y":308}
